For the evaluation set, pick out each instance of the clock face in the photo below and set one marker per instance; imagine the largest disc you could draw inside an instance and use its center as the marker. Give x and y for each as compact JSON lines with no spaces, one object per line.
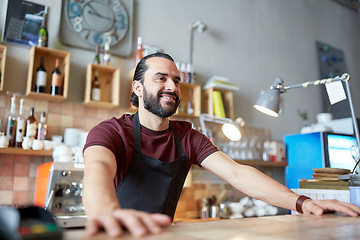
{"x":97,"y":21}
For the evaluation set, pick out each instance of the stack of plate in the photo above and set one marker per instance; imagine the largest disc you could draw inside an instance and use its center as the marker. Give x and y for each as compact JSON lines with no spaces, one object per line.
{"x":329,"y":173}
{"x":326,"y":178}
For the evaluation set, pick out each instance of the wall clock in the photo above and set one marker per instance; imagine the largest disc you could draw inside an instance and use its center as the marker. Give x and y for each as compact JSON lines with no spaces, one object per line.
{"x":86,"y":23}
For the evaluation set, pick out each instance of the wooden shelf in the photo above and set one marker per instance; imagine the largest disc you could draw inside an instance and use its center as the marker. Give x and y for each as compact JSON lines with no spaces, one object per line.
{"x":50,"y":55}
{"x":2,"y":65}
{"x":20,"y":151}
{"x":109,"y":79}
{"x":227,"y":98}
{"x":260,"y":163}
{"x":257,"y":163}
{"x":190,"y":93}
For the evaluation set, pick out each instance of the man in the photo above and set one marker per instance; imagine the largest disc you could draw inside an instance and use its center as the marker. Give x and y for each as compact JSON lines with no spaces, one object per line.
{"x":135,"y":166}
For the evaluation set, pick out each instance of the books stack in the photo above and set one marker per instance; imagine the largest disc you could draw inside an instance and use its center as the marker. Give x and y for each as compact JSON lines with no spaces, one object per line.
{"x":220,"y":83}
{"x":326,"y":178}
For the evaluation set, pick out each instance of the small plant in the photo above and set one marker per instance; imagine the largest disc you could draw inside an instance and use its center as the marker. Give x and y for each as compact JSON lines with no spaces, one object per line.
{"x":303,"y":115}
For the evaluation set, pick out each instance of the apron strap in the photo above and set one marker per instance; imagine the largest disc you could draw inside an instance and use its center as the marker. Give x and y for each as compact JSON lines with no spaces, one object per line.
{"x":179,"y":147}
{"x":137,"y":133}
{"x":137,"y":137}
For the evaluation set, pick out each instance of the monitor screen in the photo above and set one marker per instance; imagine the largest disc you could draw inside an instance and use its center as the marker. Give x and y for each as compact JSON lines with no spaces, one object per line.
{"x":340,"y":148}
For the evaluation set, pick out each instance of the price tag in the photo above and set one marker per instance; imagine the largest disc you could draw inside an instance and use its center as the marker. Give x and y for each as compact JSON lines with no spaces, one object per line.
{"x":335,"y":92}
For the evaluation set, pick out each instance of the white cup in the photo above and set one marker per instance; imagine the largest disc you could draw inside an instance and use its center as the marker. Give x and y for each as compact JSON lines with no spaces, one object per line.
{"x":71,"y":137}
{"x":26,"y":143}
{"x":56,"y":138}
{"x":4,"y":142}
{"x":37,"y":144}
{"x":47,"y":145}
{"x":324,"y":117}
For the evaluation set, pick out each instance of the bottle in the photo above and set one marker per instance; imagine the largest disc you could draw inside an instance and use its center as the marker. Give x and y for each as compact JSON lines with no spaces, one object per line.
{"x":183,"y":72}
{"x":56,"y":79}
{"x":41,"y":77}
{"x":189,"y":73}
{"x":11,"y":123}
{"x":139,"y":51}
{"x":95,"y":90}
{"x":96,"y":59}
{"x":107,"y":54}
{"x":20,"y":127}
{"x":31,"y":125}
{"x":43,"y":33}
{"x":42,"y":127}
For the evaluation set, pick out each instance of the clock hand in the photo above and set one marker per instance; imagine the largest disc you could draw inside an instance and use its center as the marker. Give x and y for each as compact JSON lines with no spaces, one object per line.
{"x":102,"y":16}
{"x":99,"y":15}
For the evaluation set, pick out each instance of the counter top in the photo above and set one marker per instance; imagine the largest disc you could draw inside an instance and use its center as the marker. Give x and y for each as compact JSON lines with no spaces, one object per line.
{"x":328,"y":226}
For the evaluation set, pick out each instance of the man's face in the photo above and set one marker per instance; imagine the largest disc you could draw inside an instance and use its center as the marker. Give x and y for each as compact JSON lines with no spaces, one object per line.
{"x":161,"y":93}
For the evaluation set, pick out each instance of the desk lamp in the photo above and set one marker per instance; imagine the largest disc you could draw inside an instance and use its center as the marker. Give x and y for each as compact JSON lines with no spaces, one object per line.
{"x":270,"y":101}
{"x":200,"y":27}
{"x":229,"y":128}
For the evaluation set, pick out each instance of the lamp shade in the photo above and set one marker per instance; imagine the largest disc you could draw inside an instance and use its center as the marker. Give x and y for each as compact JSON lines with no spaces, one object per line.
{"x":231,"y":132}
{"x":269,"y":102}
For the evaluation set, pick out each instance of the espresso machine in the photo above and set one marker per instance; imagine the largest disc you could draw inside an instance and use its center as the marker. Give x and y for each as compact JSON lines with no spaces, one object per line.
{"x":59,"y":190}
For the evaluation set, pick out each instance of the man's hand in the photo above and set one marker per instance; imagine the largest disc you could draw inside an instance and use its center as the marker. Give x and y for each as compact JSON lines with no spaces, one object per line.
{"x":136,"y":222}
{"x":318,"y":207}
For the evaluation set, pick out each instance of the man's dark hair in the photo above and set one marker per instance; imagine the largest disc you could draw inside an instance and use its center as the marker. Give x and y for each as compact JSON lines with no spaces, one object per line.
{"x":140,"y":70}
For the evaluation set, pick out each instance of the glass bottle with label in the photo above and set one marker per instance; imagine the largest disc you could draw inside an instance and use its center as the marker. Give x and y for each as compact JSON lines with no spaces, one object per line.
{"x":95,"y":90}
{"x":139,"y":51}
{"x":41,"y":77}
{"x":43,"y":33}
{"x":56,"y":79}
{"x":42,"y":127}
{"x":96,"y":59}
{"x":107,"y":54}
{"x":20,"y":128}
{"x":11,"y":123}
{"x":31,"y":125}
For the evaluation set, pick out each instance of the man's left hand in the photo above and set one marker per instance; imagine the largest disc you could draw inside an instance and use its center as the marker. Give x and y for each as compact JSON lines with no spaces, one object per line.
{"x":319,"y":207}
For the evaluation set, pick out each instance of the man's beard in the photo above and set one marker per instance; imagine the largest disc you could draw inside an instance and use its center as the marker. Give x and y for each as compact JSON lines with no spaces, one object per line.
{"x":152,"y":104}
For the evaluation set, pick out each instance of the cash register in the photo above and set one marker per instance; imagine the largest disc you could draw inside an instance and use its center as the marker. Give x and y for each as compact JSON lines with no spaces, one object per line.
{"x":59,"y":190}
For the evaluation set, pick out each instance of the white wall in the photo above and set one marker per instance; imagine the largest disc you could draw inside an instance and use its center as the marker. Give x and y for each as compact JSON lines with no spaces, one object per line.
{"x":249,"y":41}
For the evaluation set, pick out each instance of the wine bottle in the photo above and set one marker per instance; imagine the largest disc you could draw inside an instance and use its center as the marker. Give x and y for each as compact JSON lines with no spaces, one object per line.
{"x":95,"y":90}
{"x":41,"y":76}
{"x":20,"y":127}
{"x":31,"y":125}
{"x":42,"y":127}
{"x":56,"y":79}
{"x":139,"y":51}
{"x":11,"y":123}
{"x":96,"y":59}
{"x":43,"y":33}
{"x":107,"y":54}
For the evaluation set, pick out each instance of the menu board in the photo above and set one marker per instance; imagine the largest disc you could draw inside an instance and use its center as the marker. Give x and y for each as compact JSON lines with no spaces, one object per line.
{"x":23,"y":22}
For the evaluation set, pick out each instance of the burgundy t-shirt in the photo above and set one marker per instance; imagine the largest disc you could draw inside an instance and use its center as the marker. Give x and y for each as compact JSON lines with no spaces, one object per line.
{"x":117,"y":135}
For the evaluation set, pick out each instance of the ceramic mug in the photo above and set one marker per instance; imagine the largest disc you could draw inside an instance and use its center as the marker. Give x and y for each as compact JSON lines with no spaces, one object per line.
{"x":26,"y":143}
{"x":4,"y":142}
{"x":48,"y":145}
{"x":37,"y":144}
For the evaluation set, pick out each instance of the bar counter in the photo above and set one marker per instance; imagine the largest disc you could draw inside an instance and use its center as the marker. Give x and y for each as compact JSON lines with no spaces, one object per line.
{"x":309,"y":227}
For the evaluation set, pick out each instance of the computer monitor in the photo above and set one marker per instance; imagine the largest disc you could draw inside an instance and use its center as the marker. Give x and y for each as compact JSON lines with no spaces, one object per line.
{"x":338,"y":150}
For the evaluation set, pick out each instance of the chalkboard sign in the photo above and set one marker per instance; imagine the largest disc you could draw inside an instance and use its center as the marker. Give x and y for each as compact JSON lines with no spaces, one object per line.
{"x":23,"y":22}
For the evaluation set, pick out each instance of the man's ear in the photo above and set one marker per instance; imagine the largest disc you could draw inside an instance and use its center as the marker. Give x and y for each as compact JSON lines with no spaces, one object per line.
{"x":137,"y":88}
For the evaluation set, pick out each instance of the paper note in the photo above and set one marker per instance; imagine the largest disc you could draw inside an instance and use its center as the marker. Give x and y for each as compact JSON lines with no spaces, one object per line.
{"x":335,"y":92}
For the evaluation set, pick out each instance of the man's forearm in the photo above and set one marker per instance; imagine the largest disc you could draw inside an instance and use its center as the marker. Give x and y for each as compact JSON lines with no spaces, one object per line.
{"x":260,"y":186}
{"x":99,"y":194}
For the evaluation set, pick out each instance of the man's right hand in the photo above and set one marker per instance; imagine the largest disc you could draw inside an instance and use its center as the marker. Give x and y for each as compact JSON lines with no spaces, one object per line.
{"x":136,"y":222}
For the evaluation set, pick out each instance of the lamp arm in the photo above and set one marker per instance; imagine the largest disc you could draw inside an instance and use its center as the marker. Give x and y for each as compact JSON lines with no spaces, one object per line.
{"x":346,"y":78}
{"x":353,"y":117}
